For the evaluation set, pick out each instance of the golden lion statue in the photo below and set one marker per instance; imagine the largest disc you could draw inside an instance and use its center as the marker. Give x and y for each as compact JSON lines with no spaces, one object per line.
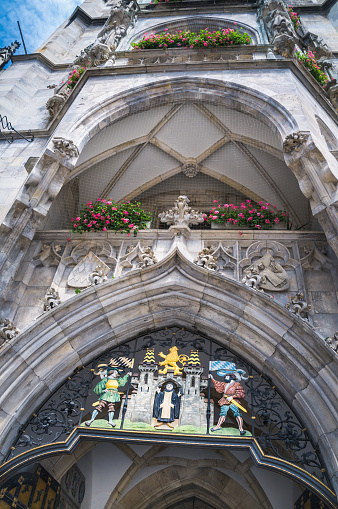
{"x":171,"y":360}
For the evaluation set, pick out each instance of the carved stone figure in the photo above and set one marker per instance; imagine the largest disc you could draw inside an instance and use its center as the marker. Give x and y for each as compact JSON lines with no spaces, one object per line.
{"x":98,"y":276}
{"x":273,"y":276}
{"x":7,"y":330}
{"x":206,"y":259}
{"x":279,"y":27}
{"x":65,"y":147}
{"x":333,"y":342}
{"x":49,"y":255}
{"x":294,"y":141}
{"x":182,"y":214}
{"x":7,"y":52}
{"x":146,"y":258}
{"x":298,"y":306}
{"x":190,"y":169}
{"x":232,"y":392}
{"x":253,"y":279}
{"x":55,"y":103}
{"x":52,"y":299}
{"x":166,"y":405}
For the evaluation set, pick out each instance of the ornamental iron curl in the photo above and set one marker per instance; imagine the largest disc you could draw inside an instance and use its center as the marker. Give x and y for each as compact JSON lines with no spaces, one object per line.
{"x":8,"y":136}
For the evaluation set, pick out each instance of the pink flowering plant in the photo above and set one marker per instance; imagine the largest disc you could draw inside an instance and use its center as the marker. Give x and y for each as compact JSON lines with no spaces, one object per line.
{"x":187,"y":39}
{"x":261,"y":215}
{"x":104,"y":215}
{"x":309,"y":61}
{"x":294,"y":17}
{"x":74,"y":77}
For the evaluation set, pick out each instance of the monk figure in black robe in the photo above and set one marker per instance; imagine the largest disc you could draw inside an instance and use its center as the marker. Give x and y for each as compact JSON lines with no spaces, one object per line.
{"x":166,"y":405}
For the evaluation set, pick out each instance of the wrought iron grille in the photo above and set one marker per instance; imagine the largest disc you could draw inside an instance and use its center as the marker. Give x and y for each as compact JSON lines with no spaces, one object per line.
{"x":143,"y":370}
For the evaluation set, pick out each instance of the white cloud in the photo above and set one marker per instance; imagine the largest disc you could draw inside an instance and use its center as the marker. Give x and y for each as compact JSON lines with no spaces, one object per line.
{"x":38,"y":20}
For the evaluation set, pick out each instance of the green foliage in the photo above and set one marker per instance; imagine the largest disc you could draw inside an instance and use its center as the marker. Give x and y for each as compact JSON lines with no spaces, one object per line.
{"x":253,"y":215}
{"x":104,"y":215}
{"x":187,"y":39}
{"x":74,"y":77}
{"x":77,"y":291}
{"x":309,"y":61}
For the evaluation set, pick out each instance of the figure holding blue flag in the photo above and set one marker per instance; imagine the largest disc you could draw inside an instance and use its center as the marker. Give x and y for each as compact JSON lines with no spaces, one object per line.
{"x":232,"y":391}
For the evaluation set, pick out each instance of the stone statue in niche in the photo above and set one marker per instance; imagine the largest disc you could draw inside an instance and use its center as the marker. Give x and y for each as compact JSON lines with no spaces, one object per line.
{"x":232,"y":392}
{"x":166,"y":405}
{"x":268,"y":273}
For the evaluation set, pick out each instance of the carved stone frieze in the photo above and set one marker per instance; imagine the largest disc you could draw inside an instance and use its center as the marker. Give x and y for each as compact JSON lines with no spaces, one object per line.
{"x":65,"y":147}
{"x":51,"y":300}
{"x":333,"y":342}
{"x":315,"y":258}
{"x":294,"y":141}
{"x":49,"y":255}
{"x":190,"y":168}
{"x":298,"y":306}
{"x":146,"y":257}
{"x":181,"y":214}
{"x":206,"y":258}
{"x":7,"y":330}
{"x":88,"y":271}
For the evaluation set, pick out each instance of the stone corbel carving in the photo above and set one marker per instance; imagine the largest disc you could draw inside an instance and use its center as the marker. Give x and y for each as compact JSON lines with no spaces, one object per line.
{"x":190,"y":168}
{"x":206,"y":258}
{"x":315,"y":258}
{"x":333,"y":342}
{"x":52,"y":299}
{"x":146,"y":257}
{"x":49,"y":255}
{"x":98,"y":276}
{"x":298,"y":306}
{"x":182,"y":215}
{"x":294,"y":141}
{"x":7,"y":330}
{"x":65,"y":147}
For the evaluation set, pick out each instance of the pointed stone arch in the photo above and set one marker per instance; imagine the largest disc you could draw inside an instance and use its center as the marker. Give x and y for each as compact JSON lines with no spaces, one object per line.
{"x":174,"y":291}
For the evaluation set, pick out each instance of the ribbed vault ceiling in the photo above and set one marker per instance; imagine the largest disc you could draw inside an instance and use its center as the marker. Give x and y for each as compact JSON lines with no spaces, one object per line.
{"x":147,"y":148}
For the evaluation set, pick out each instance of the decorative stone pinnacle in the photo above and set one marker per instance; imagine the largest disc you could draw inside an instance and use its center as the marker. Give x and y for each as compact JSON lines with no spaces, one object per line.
{"x":182,"y":215}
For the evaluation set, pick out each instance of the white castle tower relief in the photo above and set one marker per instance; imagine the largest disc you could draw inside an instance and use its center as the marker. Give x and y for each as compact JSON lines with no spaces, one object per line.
{"x":188,"y":404}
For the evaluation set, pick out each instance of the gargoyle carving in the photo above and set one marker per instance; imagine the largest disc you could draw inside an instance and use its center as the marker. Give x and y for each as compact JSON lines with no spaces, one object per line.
{"x":333,"y":342}
{"x":98,"y":276}
{"x":146,"y":257}
{"x":294,"y":141}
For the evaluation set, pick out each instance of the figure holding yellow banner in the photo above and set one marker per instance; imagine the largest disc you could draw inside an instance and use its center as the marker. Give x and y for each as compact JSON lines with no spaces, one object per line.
{"x":232,"y":392}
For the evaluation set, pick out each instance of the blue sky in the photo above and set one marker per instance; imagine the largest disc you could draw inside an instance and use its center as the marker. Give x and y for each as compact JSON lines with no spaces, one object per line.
{"x":38,"y":20}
